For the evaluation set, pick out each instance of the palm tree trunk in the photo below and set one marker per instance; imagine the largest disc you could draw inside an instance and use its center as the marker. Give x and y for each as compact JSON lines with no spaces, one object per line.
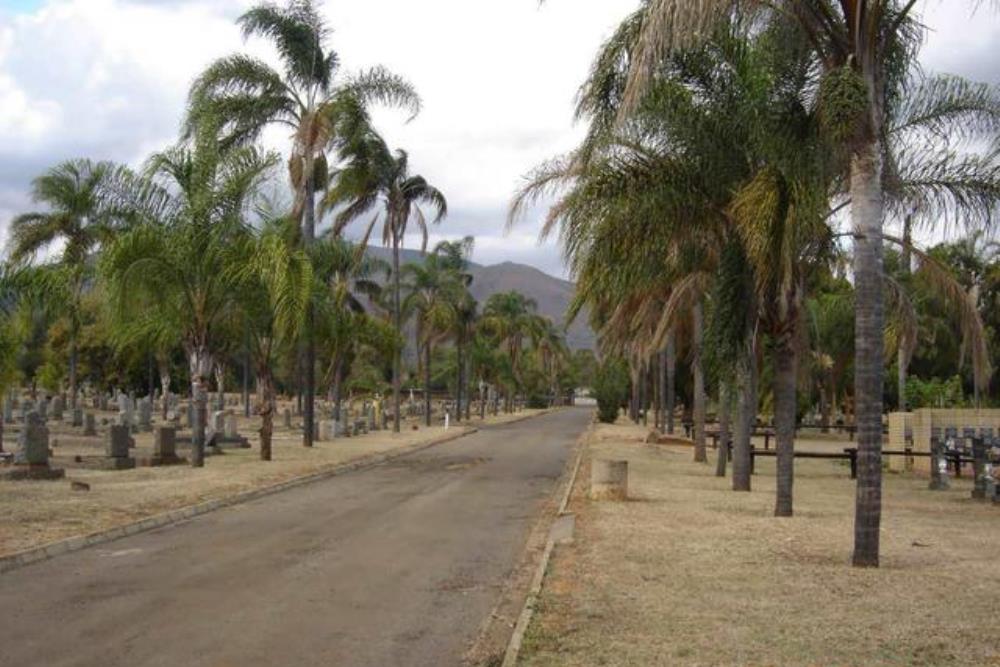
{"x":745,"y":412}
{"x":309,"y":236}
{"x":200,"y":364}
{"x":427,"y":384}
{"x":723,"y":453}
{"x":671,"y":389}
{"x":698,"y":416}
{"x":246,"y":379}
{"x":73,"y":356}
{"x":458,"y":380}
{"x":220,"y":382}
{"x":866,"y":218}
{"x":165,"y":389}
{"x":397,"y":322}
{"x":784,"y":423}
{"x":338,"y":387}
{"x":901,"y":377}
{"x":265,"y":383}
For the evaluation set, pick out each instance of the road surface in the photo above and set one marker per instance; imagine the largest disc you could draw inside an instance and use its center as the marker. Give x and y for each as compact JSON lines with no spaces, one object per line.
{"x":395,"y":565}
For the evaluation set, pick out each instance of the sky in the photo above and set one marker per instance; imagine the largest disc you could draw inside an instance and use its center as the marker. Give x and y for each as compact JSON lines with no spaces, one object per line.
{"x":107,"y":79}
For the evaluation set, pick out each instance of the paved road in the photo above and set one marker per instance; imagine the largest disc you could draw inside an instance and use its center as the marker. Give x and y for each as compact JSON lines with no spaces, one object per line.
{"x":395,"y":565}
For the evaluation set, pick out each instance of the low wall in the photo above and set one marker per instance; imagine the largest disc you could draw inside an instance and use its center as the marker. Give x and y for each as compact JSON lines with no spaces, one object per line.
{"x":920,"y":422}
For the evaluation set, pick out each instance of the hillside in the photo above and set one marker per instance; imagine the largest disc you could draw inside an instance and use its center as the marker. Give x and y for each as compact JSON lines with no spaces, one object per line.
{"x":552,"y":294}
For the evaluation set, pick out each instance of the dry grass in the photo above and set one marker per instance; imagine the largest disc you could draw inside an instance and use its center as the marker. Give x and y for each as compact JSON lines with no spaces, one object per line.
{"x":36,"y":513}
{"x":690,"y":573}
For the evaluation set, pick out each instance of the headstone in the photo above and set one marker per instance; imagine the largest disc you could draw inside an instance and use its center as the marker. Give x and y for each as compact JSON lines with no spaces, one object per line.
{"x":77,"y":418}
{"x":939,"y":466}
{"x":43,"y":409}
{"x":231,"y":430}
{"x":218,"y":422}
{"x":8,"y":410}
{"x":979,"y":469}
{"x":146,"y":414}
{"x":89,"y":424}
{"x":287,"y":414}
{"x":117,"y":443}
{"x":327,"y":430}
{"x":33,"y":442}
{"x":27,"y":407}
{"x":57,"y":408}
{"x":165,"y":447}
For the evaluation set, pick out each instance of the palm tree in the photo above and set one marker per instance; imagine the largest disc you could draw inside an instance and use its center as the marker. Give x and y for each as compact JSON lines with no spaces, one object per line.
{"x":273,"y":284}
{"x":433,"y":290}
{"x":375,"y":179}
{"x":455,"y":255}
{"x":320,"y":108}
{"x":511,"y":318}
{"x":346,"y":276}
{"x":71,"y":193}
{"x":865,"y":51}
{"x":166,"y":277}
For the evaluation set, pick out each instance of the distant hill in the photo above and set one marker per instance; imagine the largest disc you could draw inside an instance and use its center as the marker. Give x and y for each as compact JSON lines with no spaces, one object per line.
{"x":552,"y":294}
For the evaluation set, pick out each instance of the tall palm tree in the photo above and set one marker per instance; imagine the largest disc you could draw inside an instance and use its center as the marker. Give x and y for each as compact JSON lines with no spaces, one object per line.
{"x":321,"y":109}
{"x":165,"y":276}
{"x":375,"y":179}
{"x":272,"y":285}
{"x":865,"y":51}
{"x":456,"y":254}
{"x":433,"y":290}
{"x":75,"y":217}
{"x":512,"y":319}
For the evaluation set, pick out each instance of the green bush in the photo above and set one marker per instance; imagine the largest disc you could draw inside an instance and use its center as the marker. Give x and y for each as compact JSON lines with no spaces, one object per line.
{"x":610,"y":389}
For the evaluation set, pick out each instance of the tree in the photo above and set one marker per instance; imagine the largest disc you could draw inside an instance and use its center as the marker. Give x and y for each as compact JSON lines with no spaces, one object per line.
{"x":75,"y":217}
{"x":433,"y":289}
{"x":273,"y":284}
{"x":322,"y":110}
{"x":166,"y":277}
{"x":510,"y":318}
{"x":455,"y":255}
{"x":375,"y":179}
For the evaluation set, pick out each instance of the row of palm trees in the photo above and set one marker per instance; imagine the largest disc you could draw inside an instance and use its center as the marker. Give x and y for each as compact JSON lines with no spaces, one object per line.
{"x":186,"y":253}
{"x":725,"y":141}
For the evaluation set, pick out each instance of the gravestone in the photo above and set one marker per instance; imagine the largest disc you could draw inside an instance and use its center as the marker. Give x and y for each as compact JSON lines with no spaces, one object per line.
{"x":327,"y":430}
{"x":146,"y":415}
{"x":116,"y":446}
{"x":8,"y":410}
{"x":31,"y":456}
{"x":76,"y":417}
{"x":939,"y":466}
{"x":33,"y":442}
{"x":165,"y":447}
{"x":57,"y":408}
{"x":979,"y":472}
{"x":231,"y":430}
{"x":89,"y":424}
{"x":287,"y":414}
{"x":27,"y":407}
{"x":218,"y":422}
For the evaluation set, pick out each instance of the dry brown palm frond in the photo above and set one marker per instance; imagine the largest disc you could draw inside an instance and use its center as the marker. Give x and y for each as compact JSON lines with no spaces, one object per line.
{"x":685,"y":293}
{"x":903,"y":328}
{"x":954,"y":293}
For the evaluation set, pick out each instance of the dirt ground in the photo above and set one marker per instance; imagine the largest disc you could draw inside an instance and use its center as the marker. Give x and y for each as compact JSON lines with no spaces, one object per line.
{"x":37,"y":513}
{"x":690,"y":573}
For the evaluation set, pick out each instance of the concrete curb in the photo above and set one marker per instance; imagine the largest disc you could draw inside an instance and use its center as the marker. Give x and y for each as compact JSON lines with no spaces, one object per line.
{"x":44,"y":552}
{"x":524,"y":619}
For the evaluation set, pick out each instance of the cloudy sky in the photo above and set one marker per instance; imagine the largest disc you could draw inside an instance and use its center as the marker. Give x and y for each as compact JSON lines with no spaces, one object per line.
{"x":107,"y":79}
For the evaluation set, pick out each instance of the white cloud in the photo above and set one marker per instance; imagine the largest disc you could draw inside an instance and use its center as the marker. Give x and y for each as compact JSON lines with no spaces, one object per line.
{"x":108,"y":79}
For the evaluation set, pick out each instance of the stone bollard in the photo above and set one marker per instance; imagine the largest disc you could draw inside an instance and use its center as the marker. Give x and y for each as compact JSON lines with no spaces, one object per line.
{"x":608,"y":480}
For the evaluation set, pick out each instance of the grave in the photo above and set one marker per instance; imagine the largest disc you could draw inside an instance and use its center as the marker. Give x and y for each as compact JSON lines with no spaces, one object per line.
{"x":89,"y":424}
{"x":31,"y":457}
{"x":77,"y":417}
{"x":57,"y":408}
{"x":165,"y":447}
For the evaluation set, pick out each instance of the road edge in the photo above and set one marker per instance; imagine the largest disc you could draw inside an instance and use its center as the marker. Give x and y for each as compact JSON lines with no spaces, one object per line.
{"x":538,"y":580}
{"x":44,"y":552}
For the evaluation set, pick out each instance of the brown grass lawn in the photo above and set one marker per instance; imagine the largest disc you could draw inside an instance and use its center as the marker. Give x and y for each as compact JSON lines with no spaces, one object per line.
{"x":35,"y":513}
{"x":691,"y":573}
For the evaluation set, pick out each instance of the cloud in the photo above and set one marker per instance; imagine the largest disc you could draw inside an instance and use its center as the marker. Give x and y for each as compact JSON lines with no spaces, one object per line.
{"x":108,"y":79}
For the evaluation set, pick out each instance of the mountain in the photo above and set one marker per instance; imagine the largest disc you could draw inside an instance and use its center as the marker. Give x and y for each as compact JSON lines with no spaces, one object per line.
{"x":552,"y":294}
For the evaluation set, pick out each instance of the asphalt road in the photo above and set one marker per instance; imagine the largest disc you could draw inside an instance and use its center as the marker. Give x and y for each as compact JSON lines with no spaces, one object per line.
{"x":395,"y":565}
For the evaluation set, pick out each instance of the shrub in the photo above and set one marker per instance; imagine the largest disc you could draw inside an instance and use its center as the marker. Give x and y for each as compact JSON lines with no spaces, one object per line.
{"x":610,"y":389}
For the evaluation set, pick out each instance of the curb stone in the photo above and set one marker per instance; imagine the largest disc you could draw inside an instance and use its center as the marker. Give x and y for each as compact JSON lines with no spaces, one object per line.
{"x":524,"y":619}
{"x":78,"y":542}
